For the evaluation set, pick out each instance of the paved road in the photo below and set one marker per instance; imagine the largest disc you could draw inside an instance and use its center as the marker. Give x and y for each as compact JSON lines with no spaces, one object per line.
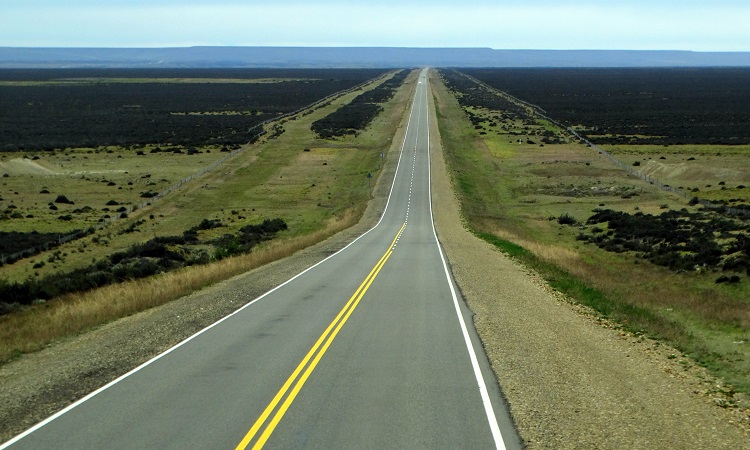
{"x":369,"y":349}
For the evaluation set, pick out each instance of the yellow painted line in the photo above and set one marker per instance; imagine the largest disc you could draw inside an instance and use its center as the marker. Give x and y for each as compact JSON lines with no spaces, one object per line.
{"x":327,"y":336}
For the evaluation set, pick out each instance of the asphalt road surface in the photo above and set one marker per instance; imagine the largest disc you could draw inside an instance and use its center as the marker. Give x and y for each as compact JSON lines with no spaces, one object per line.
{"x":371,"y":348}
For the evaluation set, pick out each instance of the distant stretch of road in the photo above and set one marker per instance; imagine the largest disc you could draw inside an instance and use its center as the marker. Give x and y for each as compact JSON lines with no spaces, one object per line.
{"x":372,"y":348}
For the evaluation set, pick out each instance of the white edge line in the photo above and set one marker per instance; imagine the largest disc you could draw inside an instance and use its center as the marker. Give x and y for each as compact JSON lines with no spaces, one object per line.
{"x":488,"y":409}
{"x":190,"y":338}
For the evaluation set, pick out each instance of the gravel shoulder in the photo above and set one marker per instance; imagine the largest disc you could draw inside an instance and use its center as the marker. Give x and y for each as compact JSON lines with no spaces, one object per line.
{"x":572,"y":380}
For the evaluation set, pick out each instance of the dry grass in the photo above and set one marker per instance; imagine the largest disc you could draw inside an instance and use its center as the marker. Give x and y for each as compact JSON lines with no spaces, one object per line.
{"x":37,"y":326}
{"x":656,"y":289}
{"x":556,"y":254}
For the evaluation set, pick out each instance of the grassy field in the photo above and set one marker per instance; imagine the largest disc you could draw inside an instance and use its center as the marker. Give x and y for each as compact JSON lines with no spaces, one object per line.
{"x":90,"y":178}
{"x":274,"y":178}
{"x":514,"y":191}
{"x":318,"y":187}
{"x":710,"y":172}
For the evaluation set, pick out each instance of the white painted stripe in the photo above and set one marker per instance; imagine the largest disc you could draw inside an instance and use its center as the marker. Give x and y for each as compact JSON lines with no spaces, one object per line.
{"x":488,"y":409}
{"x":180,"y":344}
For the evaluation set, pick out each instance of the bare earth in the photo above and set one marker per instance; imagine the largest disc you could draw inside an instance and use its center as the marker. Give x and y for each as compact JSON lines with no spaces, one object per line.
{"x":571,"y":380}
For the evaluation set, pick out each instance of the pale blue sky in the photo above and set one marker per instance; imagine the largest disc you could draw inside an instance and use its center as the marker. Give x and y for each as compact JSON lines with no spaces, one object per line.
{"x":707,"y":25}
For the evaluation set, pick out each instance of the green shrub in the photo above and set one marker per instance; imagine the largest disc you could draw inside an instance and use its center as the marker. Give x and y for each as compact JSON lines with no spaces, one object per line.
{"x":566,"y":219}
{"x":160,"y":254}
{"x":63,"y":199}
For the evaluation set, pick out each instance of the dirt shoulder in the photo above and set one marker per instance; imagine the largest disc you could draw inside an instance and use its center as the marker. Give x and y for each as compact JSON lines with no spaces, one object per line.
{"x":573,"y":381}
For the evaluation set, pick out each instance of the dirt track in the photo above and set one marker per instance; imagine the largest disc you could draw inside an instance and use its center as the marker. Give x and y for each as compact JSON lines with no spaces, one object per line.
{"x":18,"y":166}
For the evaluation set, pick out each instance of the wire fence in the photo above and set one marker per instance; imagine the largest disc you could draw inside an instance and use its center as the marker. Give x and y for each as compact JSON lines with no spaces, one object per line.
{"x":535,"y":110}
{"x":122,"y":214}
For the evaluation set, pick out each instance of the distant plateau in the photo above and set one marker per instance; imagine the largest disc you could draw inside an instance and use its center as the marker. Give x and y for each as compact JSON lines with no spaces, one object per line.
{"x":355,"y":57}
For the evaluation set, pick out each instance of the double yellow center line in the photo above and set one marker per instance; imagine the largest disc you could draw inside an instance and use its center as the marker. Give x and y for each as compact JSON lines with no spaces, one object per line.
{"x":298,"y":378}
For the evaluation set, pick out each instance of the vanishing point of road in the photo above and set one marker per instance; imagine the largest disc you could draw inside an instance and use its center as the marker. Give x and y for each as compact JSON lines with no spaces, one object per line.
{"x":371,"y":348}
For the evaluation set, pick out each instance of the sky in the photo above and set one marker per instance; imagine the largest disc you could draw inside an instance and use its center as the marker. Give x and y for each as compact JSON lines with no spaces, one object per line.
{"x":705,"y":25}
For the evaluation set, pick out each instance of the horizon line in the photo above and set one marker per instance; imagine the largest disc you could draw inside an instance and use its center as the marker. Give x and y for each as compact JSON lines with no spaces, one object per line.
{"x":374,"y":47}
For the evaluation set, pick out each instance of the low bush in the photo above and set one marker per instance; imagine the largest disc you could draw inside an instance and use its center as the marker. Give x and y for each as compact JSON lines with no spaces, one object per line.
{"x":566,"y":219}
{"x":207,"y":224}
{"x":63,"y":199}
{"x":359,"y":112}
{"x":680,"y":240}
{"x":157,"y":255}
{"x":248,"y":237}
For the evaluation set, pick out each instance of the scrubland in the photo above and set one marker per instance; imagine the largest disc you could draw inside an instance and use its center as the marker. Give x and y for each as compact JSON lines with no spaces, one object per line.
{"x":531,"y":188}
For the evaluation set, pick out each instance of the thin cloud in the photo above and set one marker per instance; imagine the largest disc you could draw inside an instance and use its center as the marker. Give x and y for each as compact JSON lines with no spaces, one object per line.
{"x":667,"y":24}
